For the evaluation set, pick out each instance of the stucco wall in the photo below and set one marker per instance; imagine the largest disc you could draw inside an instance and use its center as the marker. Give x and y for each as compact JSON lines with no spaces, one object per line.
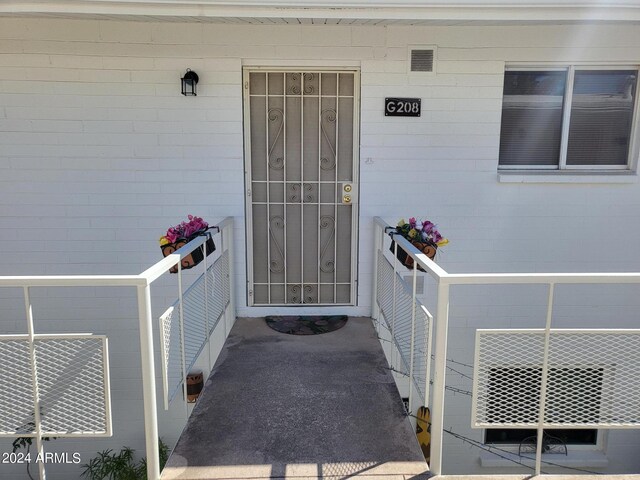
{"x":99,"y":153}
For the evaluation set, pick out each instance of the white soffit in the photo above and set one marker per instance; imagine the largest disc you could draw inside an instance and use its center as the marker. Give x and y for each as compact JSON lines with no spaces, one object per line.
{"x":368,"y":12}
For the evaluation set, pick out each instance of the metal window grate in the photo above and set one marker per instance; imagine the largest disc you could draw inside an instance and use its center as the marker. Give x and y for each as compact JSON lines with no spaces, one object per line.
{"x":72,"y":381}
{"x":422,"y":60}
{"x":593,"y":378}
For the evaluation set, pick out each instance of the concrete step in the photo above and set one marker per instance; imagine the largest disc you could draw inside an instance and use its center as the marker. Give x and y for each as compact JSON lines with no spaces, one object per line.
{"x":290,"y":406}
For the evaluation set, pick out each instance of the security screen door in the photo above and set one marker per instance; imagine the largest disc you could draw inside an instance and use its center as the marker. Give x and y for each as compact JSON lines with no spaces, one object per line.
{"x":301,"y":165}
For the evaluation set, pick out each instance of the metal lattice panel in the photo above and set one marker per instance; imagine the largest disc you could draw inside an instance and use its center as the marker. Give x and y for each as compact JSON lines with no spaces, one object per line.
{"x":421,"y":351}
{"x":171,"y":354}
{"x":610,"y":370}
{"x":199,"y":310}
{"x":71,"y":385}
{"x":219,"y":289}
{"x":507,"y":378}
{"x":16,"y":388}
{"x":195,"y":321}
{"x":593,"y":378}
{"x":385,"y":287}
{"x":72,"y":382}
{"x":401,"y":326}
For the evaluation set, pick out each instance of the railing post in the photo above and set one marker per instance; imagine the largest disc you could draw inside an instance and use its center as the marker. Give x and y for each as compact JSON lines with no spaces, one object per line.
{"x":439,"y":378}
{"x":427,"y":349}
{"x":393,"y":309}
{"x":183,"y":361}
{"x":206,"y":307}
{"x":148,"y":382}
{"x":34,"y":381}
{"x":413,"y":342}
{"x":232,"y":302}
{"x":543,"y":381}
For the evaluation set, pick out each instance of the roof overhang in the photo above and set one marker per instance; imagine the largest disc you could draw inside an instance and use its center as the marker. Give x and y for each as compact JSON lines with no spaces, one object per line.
{"x":413,"y":12}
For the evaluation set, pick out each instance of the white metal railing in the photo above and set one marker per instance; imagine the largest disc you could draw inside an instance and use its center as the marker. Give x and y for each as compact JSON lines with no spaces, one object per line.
{"x":547,"y":380}
{"x":186,"y":326}
{"x":406,"y":324}
{"x":43,"y":390}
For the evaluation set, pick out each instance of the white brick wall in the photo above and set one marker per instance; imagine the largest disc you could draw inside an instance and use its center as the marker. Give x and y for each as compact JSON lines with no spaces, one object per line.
{"x":99,"y":153}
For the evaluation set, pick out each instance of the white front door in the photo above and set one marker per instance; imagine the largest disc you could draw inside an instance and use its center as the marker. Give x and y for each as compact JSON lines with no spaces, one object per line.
{"x":301,"y":151}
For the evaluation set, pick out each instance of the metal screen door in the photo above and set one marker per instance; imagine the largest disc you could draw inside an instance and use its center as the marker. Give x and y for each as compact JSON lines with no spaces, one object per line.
{"x":301,"y":149}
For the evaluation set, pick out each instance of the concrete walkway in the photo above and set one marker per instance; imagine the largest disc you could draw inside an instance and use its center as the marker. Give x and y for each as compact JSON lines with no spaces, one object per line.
{"x":298,"y":407}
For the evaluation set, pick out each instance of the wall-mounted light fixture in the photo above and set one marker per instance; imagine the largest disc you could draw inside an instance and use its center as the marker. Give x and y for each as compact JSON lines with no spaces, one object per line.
{"x":189,"y":82}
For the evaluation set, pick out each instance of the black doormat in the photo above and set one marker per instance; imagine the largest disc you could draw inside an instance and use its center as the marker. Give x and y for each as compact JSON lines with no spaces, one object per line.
{"x":306,"y":324}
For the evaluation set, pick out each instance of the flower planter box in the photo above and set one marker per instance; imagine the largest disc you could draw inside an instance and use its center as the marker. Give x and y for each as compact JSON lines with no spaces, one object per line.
{"x":195,"y":257}
{"x":428,"y":248}
{"x":421,"y":234}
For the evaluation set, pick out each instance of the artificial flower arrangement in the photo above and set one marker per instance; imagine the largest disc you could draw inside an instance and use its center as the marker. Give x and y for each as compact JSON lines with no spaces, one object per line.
{"x":181,"y":234}
{"x":423,"y":235}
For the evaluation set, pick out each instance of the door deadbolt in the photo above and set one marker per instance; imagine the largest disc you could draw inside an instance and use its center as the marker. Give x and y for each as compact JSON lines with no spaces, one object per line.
{"x":349,"y":193}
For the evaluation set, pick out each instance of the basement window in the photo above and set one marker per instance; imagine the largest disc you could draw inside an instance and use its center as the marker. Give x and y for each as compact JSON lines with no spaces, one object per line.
{"x":572,"y":118}
{"x":515,"y":436}
{"x":573,"y":398}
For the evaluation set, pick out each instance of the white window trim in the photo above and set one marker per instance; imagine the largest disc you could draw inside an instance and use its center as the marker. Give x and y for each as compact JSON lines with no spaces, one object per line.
{"x":582,"y":459}
{"x":597,"y":170}
{"x":567,"y":176}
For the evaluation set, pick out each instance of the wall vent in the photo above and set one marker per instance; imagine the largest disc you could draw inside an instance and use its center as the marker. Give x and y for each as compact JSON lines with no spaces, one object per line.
{"x":422,"y":60}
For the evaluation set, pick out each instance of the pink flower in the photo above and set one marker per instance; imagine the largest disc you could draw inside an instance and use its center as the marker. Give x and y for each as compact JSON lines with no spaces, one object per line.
{"x":171,"y":235}
{"x":186,"y":229}
{"x":412,"y":222}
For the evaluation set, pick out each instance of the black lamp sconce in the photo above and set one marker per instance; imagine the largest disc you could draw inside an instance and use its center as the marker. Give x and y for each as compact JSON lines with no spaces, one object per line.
{"x":189,"y":82}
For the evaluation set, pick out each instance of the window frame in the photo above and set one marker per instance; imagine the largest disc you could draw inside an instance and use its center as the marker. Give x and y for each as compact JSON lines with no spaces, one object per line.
{"x":570,"y":69}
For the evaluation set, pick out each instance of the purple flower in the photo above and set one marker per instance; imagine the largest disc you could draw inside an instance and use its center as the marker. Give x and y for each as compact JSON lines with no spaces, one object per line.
{"x":421,"y":230}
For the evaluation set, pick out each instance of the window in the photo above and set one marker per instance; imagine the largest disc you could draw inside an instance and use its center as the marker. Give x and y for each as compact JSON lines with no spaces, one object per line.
{"x":515,"y":436}
{"x":574,"y":396}
{"x":567,"y":118}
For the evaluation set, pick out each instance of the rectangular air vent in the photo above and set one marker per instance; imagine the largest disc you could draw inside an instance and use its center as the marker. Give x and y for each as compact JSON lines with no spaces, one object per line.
{"x":422,"y":60}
